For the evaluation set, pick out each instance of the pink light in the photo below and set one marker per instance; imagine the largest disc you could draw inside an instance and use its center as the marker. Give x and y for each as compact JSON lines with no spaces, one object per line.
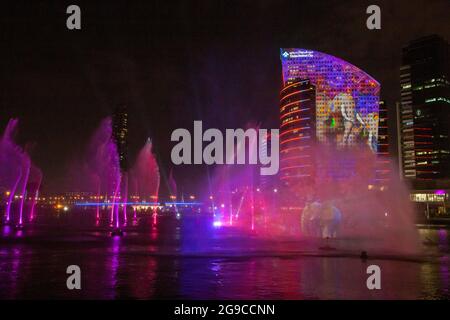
{"x":117,"y":216}
{"x":11,"y":196}
{"x":36,"y":197}
{"x":155,"y":216}
{"x":24,"y":190}
{"x":112,"y":212}
{"x":115,"y":207}
{"x":125,"y":183}
{"x":440,"y":192}
{"x":97,"y":216}
{"x":125,"y":219}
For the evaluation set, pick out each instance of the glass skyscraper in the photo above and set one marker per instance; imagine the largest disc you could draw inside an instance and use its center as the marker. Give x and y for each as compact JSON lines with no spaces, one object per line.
{"x":423,"y":114}
{"x":120,"y":134}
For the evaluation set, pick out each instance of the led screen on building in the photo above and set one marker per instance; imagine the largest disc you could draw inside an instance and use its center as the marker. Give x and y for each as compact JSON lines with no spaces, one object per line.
{"x":347,"y":98}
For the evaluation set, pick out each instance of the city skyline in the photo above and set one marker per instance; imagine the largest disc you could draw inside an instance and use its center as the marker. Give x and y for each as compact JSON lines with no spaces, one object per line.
{"x":96,"y":96}
{"x":225,"y":154}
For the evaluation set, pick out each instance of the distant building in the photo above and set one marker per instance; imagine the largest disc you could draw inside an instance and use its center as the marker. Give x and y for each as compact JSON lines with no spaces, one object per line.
{"x":423,"y":116}
{"x":120,"y":134}
{"x":431,"y":204}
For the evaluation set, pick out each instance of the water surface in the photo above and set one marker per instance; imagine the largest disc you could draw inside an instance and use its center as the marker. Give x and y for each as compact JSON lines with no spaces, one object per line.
{"x":188,"y":258}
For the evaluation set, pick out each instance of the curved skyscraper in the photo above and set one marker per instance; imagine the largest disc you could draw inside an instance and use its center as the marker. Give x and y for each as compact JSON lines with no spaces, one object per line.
{"x":297,"y":131}
{"x":324,"y":100}
{"x":347,"y":98}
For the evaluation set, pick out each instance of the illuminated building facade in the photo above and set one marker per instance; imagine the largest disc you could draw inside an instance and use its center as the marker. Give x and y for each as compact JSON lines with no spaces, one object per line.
{"x":433,"y":203}
{"x":120,"y":134}
{"x":297,"y":132}
{"x":383,"y":158}
{"x":423,"y":116}
{"x":336,"y":103}
{"x":347,"y":98}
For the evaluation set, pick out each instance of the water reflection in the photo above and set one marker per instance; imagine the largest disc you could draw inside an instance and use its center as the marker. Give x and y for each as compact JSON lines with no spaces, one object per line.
{"x":113,"y":263}
{"x":10,"y":269}
{"x":187,"y":258}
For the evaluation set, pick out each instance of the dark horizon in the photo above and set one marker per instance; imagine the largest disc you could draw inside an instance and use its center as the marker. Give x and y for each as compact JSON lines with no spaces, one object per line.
{"x":174,"y":63}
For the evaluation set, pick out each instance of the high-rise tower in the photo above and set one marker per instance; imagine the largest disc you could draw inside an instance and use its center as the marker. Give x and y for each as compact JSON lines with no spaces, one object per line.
{"x":424,"y":110}
{"x":297,"y":132}
{"x":120,"y":134}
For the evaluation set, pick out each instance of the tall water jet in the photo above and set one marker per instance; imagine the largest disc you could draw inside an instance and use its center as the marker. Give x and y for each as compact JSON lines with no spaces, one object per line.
{"x":11,"y":196}
{"x":125,"y":196}
{"x":231,"y":187}
{"x":146,"y":175}
{"x":98,"y":197}
{"x":113,"y":203}
{"x":27,"y":168}
{"x":98,"y":170}
{"x":106,"y":164}
{"x":172,"y":184}
{"x":14,"y":166}
{"x":348,"y":203}
{"x":36,"y":194}
{"x":115,"y":206}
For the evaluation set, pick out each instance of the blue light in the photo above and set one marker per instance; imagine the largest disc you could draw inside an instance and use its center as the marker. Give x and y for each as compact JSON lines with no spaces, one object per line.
{"x":183,"y":203}
{"x":87,"y":204}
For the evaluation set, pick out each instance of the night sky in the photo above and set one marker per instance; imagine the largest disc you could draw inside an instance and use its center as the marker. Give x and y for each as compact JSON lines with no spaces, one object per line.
{"x":176,"y":62}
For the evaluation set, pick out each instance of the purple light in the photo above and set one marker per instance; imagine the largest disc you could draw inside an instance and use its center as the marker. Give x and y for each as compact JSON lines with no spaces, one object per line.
{"x":217,"y":224}
{"x":440,"y":192}
{"x":24,"y":188}
{"x":36,"y":196}
{"x":11,"y":196}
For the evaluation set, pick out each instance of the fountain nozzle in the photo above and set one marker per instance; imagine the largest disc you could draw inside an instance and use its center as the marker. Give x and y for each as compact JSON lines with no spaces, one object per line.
{"x":117,"y":232}
{"x":364,"y":255}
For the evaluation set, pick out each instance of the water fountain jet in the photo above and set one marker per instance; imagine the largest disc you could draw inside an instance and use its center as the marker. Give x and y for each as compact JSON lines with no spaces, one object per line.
{"x":24,"y":191}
